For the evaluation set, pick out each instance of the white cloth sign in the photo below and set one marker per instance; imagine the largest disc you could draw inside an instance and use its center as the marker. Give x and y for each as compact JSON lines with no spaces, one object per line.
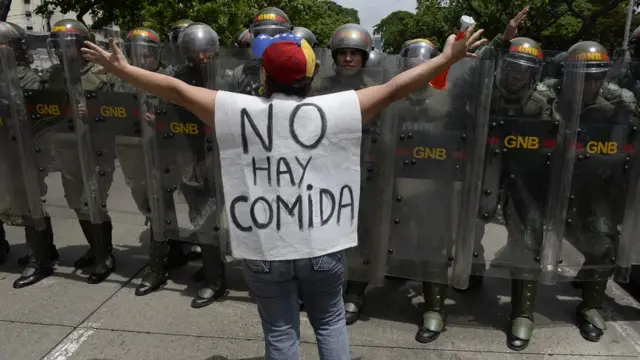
{"x":290,"y":172}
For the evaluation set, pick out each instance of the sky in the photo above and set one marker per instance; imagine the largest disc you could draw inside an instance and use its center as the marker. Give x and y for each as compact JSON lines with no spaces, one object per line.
{"x":372,"y":11}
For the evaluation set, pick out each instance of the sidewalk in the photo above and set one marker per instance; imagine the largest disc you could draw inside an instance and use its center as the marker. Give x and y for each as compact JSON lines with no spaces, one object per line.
{"x":63,"y":318}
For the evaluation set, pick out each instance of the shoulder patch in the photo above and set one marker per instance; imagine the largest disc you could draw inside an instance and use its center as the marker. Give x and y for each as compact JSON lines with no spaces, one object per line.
{"x":98,"y":70}
{"x":627,"y":96}
{"x":612,"y":92}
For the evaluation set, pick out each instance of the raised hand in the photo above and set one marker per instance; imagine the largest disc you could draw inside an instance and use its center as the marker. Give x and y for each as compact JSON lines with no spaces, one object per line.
{"x":459,"y":49}
{"x":110,"y":61}
{"x":511,"y":31}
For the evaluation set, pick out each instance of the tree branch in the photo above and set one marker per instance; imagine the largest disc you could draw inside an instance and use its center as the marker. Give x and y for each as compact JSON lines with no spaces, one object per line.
{"x":555,"y":19}
{"x":574,"y":12}
{"x":473,"y":9}
{"x":83,"y":10}
{"x":590,"y":22}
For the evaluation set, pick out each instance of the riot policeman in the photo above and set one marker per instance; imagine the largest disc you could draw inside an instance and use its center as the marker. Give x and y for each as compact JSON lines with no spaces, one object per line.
{"x":350,"y":46}
{"x":175,"y":30}
{"x":199,"y":45}
{"x":65,"y":41}
{"x":304,"y":33}
{"x":528,"y":109}
{"x":630,"y":77}
{"x":515,"y":179}
{"x":29,"y":79}
{"x":608,"y":114}
{"x":555,"y":71}
{"x":268,"y":21}
{"x":244,"y":39}
{"x":14,"y":37}
{"x":422,"y":236}
{"x":143,"y":48}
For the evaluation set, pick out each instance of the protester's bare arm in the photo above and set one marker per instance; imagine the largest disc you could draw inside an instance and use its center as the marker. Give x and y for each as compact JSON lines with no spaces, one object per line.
{"x":376,"y":98}
{"x":199,"y":101}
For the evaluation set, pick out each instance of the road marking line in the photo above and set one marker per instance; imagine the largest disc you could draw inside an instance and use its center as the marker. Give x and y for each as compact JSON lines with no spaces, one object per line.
{"x":70,"y":344}
{"x":622,"y":297}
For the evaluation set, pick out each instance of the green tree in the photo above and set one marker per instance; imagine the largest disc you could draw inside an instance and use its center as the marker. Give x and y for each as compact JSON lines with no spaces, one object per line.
{"x":227,"y":17}
{"x":557,"y":24}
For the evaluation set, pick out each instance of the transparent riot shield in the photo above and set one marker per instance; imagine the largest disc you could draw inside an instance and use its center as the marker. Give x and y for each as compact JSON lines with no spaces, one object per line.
{"x":239,"y":72}
{"x":601,"y":230}
{"x":181,"y":165}
{"x":236,"y":71}
{"x":366,"y":262}
{"x":85,"y":148}
{"x":429,"y":140}
{"x":519,"y":217}
{"x":136,"y":145}
{"x":22,"y":182}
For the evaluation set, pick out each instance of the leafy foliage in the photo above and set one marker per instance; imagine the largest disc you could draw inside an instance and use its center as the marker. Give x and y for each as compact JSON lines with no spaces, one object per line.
{"x":557,"y":24}
{"x":227,"y":17}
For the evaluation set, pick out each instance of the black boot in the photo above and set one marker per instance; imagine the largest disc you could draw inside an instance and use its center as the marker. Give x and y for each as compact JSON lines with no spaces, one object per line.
{"x":155,"y":274}
{"x":40,"y":263}
{"x":4,"y":244}
{"x":89,"y":257}
{"x":198,"y":276}
{"x":590,"y":319}
{"x":433,"y":319}
{"x":354,"y":300}
{"x":24,"y":260}
{"x":176,"y":256}
{"x":103,"y":249}
{"x":214,"y":283}
{"x":523,"y":298}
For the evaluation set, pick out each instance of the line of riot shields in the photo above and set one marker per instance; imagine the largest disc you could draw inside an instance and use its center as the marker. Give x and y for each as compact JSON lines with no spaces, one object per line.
{"x":454,"y":185}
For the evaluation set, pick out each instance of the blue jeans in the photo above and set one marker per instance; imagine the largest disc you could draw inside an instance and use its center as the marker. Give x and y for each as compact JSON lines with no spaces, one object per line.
{"x":279,"y":285}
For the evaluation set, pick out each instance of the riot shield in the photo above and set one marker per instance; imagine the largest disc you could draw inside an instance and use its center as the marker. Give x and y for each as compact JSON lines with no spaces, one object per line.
{"x":84,"y":148}
{"x":22,"y":182}
{"x":430,"y":145}
{"x":179,"y":157}
{"x":236,"y":71}
{"x":601,"y":230}
{"x":366,"y":262}
{"x":524,"y":182}
{"x":136,"y":145}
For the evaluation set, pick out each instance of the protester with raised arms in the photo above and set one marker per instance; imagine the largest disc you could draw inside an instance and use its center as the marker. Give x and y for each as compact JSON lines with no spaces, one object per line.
{"x":290,"y":169}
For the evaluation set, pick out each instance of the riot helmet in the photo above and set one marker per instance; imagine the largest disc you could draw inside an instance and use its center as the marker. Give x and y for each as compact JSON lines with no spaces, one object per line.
{"x":346,"y":41}
{"x":244,"y":39}
{"x":13,"y":36}
{"x":270,"y":21}
{"x":306,"y":34}
{"x":520,"y":68}
{"x":555,"y":65}
{"x":415,"y":52}
{"x":70,"y":35}
{"x":174,"y":32}
{"x":590,"y":60}
{"x":199,"y":44}
{"x":8,"y":34}
{"x":375,"y":59}
{"x":142,"y":47}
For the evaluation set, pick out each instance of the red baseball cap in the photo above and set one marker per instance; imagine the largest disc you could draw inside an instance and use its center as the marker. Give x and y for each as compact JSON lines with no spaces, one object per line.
{"x":285,"y":57}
